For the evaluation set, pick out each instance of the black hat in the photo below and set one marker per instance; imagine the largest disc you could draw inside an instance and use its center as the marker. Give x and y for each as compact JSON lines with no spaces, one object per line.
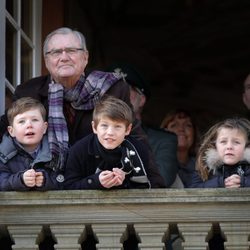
{"x":132,"y":77}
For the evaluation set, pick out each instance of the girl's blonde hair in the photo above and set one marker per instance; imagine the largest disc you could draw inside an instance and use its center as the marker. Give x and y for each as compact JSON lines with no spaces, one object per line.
{"x":209,"y":140}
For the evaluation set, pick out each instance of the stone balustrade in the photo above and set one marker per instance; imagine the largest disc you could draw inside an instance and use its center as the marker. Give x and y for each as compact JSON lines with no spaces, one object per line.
{"x":69,"y":217}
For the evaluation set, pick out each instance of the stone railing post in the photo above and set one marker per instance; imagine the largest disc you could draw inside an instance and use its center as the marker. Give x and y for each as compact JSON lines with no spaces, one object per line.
{"x":152,"y":235}
{"x":25,"y":236}
{"x":68,"y":236}
{"x":195,"y":235}
{"x":236,"y":234}
{"x":110,"y":236}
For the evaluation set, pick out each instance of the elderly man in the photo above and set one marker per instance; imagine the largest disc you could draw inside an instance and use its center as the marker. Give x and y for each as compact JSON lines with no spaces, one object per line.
{"x":69,"y":94}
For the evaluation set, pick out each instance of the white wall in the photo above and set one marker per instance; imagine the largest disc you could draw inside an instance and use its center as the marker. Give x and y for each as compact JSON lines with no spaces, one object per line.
{"x":2,"y":57}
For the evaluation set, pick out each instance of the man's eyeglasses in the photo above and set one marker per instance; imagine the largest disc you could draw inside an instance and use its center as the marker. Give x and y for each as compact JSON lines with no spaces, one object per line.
{"x":58,"y":52}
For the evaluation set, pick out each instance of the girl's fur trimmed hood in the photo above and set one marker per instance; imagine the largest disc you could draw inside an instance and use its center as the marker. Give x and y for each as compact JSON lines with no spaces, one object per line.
{"x":213,"y":160}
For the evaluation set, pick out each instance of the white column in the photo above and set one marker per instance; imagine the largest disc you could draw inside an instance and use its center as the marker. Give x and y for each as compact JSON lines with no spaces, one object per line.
{"x":68,"y":237}
{"x":152,"y":235}
{"x":25,"y":236}
{"x":195,"y":235}
{"x":236,"y":234}
{"x":110,"y":236}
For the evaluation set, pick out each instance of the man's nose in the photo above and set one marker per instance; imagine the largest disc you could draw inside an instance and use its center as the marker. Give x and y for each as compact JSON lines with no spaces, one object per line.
{"x":64,"y":55}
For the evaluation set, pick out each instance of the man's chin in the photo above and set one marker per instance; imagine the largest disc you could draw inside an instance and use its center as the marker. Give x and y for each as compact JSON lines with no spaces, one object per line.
{"x":66,"y":71}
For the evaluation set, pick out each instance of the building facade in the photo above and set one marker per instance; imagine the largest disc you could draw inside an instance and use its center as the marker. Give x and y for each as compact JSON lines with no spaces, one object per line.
{"x":22,"y":25}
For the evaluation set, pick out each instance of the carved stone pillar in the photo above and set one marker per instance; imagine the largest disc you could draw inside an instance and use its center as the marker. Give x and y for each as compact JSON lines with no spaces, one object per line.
{"x":25,"y":236}
{"x":68,"y":236}
{"x":236,"y":234}
{"x":194,"y":235}
{"x":152,"y":235}
{"x":110,"y":236}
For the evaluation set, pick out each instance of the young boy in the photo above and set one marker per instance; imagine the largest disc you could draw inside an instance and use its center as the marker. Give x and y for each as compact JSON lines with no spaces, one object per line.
{"x":109,"y":157}
{"x":24,"y":153}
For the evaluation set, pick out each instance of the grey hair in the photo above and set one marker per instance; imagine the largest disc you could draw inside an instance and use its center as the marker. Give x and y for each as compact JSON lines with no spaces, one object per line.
{"x":64,"y":31}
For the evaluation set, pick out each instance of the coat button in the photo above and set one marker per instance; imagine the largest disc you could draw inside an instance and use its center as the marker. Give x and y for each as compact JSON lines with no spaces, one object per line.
{"x":90,"y":181}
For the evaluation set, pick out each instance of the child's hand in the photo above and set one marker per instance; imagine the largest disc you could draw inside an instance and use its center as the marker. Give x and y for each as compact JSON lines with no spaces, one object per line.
{"x":106,"y":178}
{"x":232,"y":181}
{"x":120,"y":174}
{"x":110,"y":179}
{"x":29,"y":178}
{"x":39,"y":179}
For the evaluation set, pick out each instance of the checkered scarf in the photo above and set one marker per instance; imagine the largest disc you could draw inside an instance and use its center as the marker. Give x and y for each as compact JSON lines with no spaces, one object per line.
{"x":83,"y":96}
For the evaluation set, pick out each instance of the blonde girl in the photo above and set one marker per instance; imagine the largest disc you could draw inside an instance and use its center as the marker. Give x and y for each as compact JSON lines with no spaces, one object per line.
{"x":223,"y":159}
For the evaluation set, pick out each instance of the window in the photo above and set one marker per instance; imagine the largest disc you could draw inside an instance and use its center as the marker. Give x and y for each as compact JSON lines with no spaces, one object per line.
{"x":22,"y":48}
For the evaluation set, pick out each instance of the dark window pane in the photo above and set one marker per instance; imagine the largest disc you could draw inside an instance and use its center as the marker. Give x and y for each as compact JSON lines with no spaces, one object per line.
{"x":10,"y":53}
{"x":26,"y":61}
{"x":26,"y":17}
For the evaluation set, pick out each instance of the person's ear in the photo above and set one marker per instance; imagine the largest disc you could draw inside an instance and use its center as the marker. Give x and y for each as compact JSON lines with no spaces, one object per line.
{"x":11,"y":131}
{"x":45,"y":127}
{"x":93,"y":127}
{"x":85,"y":57}
{"x":128,"y":130}
{"x":46,"y":61}
{"x":143,"y":100}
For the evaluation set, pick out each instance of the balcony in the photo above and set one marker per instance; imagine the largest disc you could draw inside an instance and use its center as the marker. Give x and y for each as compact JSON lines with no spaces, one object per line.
{"x":68,"y":217}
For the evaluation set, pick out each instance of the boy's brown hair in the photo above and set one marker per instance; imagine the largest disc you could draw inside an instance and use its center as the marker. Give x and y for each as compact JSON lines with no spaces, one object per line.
{"x":113,"y":108}
{"x":22,"y":105}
